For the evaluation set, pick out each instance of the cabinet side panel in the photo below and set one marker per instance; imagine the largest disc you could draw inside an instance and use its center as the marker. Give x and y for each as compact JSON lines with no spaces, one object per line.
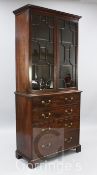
{"x":22,"y":51}
{"x":23,"y":126}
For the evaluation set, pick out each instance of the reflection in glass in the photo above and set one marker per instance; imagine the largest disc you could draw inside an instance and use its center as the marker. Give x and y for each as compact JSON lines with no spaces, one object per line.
{"x":43,"y":75}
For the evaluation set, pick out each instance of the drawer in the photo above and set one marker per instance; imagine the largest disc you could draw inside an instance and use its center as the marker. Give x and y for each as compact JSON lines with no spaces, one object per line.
{"x":42,"y":115}
{"x":46,"y":114}
{"x":43,"y":101}
{"x":47,"y":142}
{"x":71,"y":139}
{"x":67,"y":99}
{"x":67,"y":112}
{"x":55,"y":100}
{"x":66,"y":124}
{"x":70,"y":98}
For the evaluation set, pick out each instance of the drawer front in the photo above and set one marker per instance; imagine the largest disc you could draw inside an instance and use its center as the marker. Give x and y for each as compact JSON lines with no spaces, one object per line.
{"x":43,"y":101}
{"x":66,"y":124}
{"x":71,"y":98}
{"x":55,"y":100}
{"x":67,"y":99}
{"x":42,"y":115}
{"x":47,"y":142}
{"x":71,"y":139}
{"x":67,"y":112}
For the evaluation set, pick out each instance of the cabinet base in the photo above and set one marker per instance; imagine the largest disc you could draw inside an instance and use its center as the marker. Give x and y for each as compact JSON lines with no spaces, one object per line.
{"x":78,"y":149}
{"x":33,"y":164}
{"x":18,"y":156}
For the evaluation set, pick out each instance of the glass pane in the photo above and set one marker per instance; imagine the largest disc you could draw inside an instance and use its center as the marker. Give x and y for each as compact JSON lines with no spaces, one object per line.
{"x":67,"y":51}
{"x":42,"y":52}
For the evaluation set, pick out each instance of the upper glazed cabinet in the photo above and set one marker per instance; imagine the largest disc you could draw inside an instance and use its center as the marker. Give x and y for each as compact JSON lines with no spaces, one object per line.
{"x":50,"y":52}
{"x":54,"y":52}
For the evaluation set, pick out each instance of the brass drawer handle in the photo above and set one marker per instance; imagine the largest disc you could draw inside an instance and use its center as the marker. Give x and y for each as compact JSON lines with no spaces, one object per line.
{"x":47,"y":145}
{"x":45,"y":129}
{"x":43,"y":102}
{"x":49,"y":101}
{"x":69,"y":125}
{"x":71,"y":98}
{"x":69,"y":112}
{"x":43,"y":115}
{"x":46,"y":103}
{"x":49,"y":114}
{"x":68,"y":140}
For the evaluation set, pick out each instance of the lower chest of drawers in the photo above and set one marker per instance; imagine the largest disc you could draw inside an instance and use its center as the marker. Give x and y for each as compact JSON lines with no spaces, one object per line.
{"x":47,"y":125}
{"x":56,"y":124}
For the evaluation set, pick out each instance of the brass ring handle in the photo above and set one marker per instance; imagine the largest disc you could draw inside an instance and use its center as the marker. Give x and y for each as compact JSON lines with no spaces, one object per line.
{"x":45,"y":129}
{"x":43,"y":115}
{"x":68,"y":111}
{"x":68,"y":125}
{"x":48,"y":115}
{"x":68,"y":140}
{"x":46,"y":146}
{"x":69,"y":99}
{"x":46,"y":103}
